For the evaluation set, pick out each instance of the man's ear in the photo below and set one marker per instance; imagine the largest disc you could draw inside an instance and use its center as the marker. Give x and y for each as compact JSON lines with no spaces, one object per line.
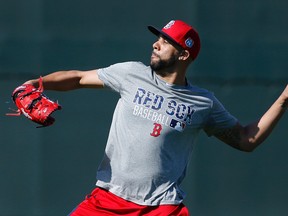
{"x":184,"y":55}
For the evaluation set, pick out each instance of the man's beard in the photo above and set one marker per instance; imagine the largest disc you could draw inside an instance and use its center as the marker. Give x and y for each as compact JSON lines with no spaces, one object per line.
{"x":160,"y":65}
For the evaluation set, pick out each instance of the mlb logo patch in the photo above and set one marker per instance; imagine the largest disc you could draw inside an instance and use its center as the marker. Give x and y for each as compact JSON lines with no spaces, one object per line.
{"x":177,"y":125}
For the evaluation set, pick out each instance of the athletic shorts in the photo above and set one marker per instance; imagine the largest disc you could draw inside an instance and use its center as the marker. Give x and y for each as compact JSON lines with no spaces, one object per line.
{"x":103,"y":202}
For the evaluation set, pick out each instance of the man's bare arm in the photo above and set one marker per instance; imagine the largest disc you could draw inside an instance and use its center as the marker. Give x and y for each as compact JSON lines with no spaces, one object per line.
{"x":247,"y":138}
{"x":69,"y":80}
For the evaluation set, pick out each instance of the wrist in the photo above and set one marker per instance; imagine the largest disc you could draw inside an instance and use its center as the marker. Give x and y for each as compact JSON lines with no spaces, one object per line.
{"x":32,"y":82}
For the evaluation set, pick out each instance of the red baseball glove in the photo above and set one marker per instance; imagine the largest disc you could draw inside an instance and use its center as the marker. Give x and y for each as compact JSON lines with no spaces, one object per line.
{"x":33,"y":104}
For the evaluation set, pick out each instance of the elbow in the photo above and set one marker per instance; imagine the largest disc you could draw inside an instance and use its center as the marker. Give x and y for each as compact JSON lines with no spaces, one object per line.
{"x":249,"y":146}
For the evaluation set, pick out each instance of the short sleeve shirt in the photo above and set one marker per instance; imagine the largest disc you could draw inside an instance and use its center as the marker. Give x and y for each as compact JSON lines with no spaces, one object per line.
{"x":152,"y":133}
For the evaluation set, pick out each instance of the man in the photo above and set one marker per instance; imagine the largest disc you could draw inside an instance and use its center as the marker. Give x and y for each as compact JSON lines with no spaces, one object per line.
{"x":154,"y":126}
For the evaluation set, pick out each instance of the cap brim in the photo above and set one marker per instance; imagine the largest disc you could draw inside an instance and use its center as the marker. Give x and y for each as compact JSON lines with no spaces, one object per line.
{"x":158,"y":32}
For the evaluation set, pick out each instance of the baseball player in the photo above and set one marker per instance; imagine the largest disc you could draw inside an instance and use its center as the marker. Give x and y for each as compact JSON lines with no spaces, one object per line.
{"x":155,"y":122}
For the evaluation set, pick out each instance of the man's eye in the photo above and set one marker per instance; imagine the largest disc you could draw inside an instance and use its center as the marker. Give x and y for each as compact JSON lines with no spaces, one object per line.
{"x":166,"y":42}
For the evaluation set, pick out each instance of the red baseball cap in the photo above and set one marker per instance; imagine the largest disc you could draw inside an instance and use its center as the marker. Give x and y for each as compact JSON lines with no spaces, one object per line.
{"x":182,"y":34}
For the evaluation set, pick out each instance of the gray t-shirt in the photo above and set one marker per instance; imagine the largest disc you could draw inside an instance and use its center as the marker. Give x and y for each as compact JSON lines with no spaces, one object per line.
{"x":152,"y":133}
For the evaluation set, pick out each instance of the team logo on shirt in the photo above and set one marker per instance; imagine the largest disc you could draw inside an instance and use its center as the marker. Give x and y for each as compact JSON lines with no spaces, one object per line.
{"x":150,"y":106}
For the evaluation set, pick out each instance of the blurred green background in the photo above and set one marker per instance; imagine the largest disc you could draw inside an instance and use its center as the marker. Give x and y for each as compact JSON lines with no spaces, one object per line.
{"x":243,"y":60}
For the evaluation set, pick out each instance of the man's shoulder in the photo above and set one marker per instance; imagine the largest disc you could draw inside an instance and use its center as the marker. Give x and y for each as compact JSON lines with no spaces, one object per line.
{"x":200,"y":91}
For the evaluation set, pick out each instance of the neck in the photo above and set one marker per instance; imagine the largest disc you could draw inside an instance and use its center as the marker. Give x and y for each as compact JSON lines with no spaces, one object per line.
{"x":173,"y":78}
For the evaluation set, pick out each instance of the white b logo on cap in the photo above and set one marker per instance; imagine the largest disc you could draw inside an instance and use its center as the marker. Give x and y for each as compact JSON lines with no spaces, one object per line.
{"x":171,"y":23}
